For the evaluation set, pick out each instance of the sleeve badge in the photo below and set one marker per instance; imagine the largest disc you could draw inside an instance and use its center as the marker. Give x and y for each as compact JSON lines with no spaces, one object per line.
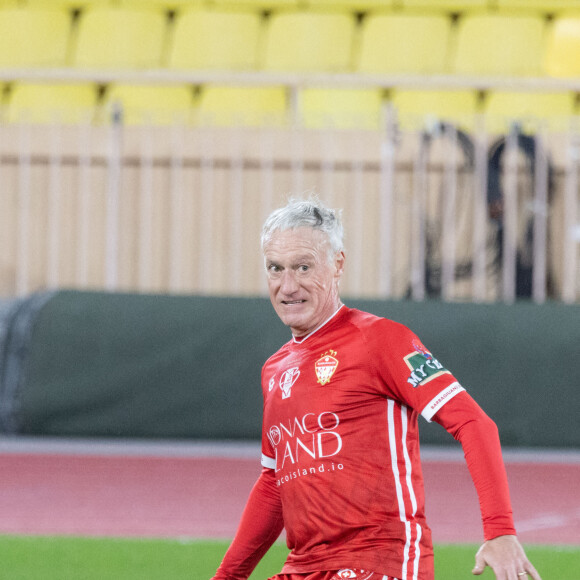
{"x":423,"y":365}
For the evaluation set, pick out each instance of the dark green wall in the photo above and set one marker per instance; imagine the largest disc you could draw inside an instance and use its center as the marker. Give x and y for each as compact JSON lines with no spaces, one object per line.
{"x":95,"y":364}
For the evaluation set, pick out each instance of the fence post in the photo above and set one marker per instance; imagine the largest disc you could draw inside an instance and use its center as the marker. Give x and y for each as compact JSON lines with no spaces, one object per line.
{"x":236,"y":211}
{"x":24,"y":209}
{"x":205,"y":221}
{"x":540,"y":220}
{"x":448,"y":233}
{"x":479,"y":290}
{"x":510,"y":217}
{"x":387,"y":173}
{"x":113,"y":191}
{"x":83,"y":207}
{"x":54,"y":206}
{"x":570,"y":250}
{"x":176,"y":208}
{"x":418,"y":224}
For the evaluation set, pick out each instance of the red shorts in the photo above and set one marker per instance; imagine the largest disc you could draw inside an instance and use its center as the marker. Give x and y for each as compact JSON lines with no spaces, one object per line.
{"x":343,"y":574}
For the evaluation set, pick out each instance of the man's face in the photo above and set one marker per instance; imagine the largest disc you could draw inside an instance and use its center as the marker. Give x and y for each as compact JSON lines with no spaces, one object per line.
{"x":302,"y":281}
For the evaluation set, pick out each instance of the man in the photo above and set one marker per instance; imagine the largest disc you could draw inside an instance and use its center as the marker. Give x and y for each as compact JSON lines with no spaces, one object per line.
{"x":340,"y":447}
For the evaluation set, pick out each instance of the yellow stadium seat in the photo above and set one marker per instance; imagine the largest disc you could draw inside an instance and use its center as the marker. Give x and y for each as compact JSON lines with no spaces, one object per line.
{"x":242,"y":106}
{"x":150,"y":104}
{"x":309,"y":41}
{"x":455,"y":6}
{"x":530,"y":110}
{"x":418,"y":108}
{"x":562,"y":58}
{"x":340,"y":108}
{"x":41,"y":103}
{"x":215,"y":39}
{"x":355,"y":5}
{"x":545,"y":6}
{"x":499,"y":44}
{"x":167,"y":5}
{"x":404,"y":43}
{"x":116,"y":37}
{"x":67,"y":4}
{"x":34,"y":37}
{"x":254,"y":4}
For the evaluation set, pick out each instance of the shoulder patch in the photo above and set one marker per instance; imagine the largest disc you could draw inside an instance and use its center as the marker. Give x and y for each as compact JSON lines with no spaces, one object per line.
{"x":423,"y":365}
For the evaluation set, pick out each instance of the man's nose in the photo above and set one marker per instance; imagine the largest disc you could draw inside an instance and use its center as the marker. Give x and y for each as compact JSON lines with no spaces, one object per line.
{"x":288,"y":283}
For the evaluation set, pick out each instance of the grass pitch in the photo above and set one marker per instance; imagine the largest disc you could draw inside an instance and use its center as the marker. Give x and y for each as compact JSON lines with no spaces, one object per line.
{"x":72,"y":558}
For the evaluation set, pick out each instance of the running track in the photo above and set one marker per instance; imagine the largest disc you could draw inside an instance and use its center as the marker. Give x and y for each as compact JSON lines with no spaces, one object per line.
{"x":198,"y":490}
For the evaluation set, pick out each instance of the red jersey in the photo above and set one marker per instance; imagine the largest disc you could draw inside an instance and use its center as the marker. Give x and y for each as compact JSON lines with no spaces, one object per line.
{"x":340,"y":432}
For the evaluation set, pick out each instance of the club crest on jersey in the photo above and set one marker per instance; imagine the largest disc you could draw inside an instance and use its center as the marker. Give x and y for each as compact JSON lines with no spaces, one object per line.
{"x":423,"y":365}
{"x":325,"y":366}
{"x":287,"y":379}
{"x":348,"y":574}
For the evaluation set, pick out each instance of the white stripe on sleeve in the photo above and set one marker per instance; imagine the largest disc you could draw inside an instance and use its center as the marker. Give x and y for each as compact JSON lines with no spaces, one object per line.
{"x":268,"y":462}
{"x":439,"y":400}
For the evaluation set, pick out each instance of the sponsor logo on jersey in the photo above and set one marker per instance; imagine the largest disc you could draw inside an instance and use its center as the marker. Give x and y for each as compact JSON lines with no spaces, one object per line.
{"x":306,"y":438}
{"x":287,"y":379}
{"x":271,"y":384}
{"x":325,"y":366}
{"x":423,"y":365}
{"x":275,"y":435}
{"x":354,"y":574}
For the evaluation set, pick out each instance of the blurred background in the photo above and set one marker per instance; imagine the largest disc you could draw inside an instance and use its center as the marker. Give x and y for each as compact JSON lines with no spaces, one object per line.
{"x":143,"y":143}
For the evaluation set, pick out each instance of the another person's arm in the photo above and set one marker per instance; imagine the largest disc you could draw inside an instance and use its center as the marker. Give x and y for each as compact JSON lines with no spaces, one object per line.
{"x":260,"y":526}
{"x":478,"y":435}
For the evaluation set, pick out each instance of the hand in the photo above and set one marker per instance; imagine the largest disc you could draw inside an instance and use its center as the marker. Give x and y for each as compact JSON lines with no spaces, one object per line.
{"x":506,"y":557}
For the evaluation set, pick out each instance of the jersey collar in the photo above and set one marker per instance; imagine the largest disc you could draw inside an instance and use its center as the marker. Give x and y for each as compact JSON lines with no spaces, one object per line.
{"x":303,"y":338}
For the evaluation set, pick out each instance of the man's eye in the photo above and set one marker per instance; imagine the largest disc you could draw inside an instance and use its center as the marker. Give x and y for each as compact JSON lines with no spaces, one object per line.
{"x":303,"y":268}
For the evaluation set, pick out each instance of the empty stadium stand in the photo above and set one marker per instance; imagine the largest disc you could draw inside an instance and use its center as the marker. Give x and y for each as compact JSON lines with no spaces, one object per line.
{"x":34,"y":37}
{"x":404,"y":43}
{"x":542,"y":6}
{"x":255,"y":4}
{"x":120,"y":38}
{"x":307,"y":87}
{"x":446,"y":5}
{"x":215,"y":39}
{"x":149,"y":104}
{"x":355,"y":5}
{"x":415,"y":106}
{"x":532,"y":110}
{"x":562,"y":55}
{"x":499,"y":44}
{"x":340,"y":108}
{"x":309,"y":41}
{"x":242,"y":106}
{"x":51,"y":103}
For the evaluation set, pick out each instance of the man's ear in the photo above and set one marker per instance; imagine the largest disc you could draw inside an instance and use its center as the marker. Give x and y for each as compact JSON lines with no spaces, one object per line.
{"x":339,"y":263}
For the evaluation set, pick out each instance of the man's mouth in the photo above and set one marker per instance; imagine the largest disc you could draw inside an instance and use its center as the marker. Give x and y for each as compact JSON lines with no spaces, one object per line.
{"x":292,"y":302}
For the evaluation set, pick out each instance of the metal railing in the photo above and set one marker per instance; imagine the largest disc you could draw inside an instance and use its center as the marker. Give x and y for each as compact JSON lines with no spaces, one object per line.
{"x":179,"y":208}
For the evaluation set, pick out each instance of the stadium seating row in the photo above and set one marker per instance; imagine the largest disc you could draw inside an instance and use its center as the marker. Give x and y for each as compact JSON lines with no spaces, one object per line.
{"x":455,"y":6}
{"x":131,"y":38}
{"x":255,"y":106}
{"x":306,"y":41}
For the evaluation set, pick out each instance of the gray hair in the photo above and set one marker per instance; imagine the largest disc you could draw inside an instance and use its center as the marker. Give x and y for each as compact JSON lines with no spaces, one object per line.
{"x":310,"y":213}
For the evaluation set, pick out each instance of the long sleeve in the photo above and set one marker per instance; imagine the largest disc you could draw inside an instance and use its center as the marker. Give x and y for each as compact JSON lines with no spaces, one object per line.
{"x":464,"y":419}
{"x":260,"y":526}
